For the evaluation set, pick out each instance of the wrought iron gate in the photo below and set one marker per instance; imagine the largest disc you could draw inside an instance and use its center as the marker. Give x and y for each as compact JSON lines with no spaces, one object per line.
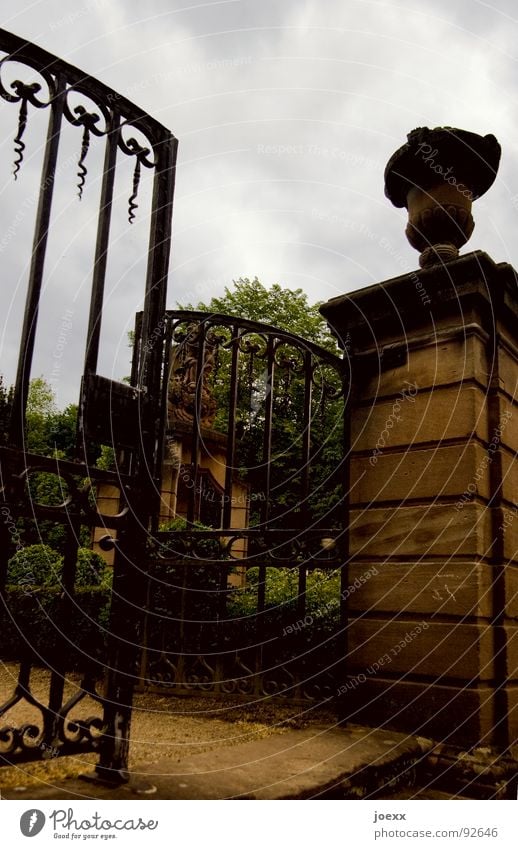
{"x":231,"y":476}
{"x":247,"y":570}
{"x":126,"y":417}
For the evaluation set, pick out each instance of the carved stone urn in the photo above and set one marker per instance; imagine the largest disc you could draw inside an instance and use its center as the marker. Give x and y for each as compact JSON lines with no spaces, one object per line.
{"x":437,"y":175}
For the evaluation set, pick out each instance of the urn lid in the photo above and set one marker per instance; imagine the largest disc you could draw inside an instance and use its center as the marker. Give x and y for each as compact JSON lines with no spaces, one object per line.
{"x":463,"y":159}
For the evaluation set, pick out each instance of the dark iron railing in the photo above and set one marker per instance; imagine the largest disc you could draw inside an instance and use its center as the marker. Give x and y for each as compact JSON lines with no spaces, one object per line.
{"x":265,"y":410}
{"x":115,"y":414}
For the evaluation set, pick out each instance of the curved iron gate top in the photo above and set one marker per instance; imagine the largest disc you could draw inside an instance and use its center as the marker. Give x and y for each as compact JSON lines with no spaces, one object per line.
{"x":255,"y":480}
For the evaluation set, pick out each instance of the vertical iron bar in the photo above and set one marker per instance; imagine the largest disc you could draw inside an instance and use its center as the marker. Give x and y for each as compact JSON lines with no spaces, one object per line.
{"x":196,"y":423}
{"x":59,"y":667}
{"x":125,"y":639}
{"x":41,"y":232}
{"x":155,"y":299}
{"x":267,"y":438}
{"x":344,"y":545}
{"x":231,"y":437}
{"x":101,"y":248}
{"x":230,"y":460}
{"x":267,"y":458}
{"x":304,"y":488}
{"x":6,"y":518}
{"x":136,"y":355}
{"x":129,"y":574}
{"x":167,"y":341}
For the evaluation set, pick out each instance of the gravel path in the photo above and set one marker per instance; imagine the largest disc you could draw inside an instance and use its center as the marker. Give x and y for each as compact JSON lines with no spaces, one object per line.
{"x":162,"y":727}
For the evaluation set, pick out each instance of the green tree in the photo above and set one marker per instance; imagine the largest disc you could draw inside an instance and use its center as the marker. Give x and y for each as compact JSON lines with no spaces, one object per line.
{"x":41,"y":409}
{"x":287,"y":310}
{"x":6,"y":398}
{"x":50,"y":432}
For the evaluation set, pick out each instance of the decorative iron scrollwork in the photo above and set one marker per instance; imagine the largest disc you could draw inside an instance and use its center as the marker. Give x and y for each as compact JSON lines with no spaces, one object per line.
{"x":142,"y":157}
{"x":79,"y":116}
{"x":24,"y":93}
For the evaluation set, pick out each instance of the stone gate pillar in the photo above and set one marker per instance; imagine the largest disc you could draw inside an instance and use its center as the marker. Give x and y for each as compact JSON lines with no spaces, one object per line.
{"x":433,"y":635}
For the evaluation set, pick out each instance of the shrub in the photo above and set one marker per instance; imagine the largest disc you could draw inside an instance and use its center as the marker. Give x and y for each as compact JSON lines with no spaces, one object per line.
{"x":322,"y":592}
{"x":45,"y":626}
{"x":91,"y":569}
{"x":40,"y":622}
{"x":36,"y":566}
{"x":41,"y":566}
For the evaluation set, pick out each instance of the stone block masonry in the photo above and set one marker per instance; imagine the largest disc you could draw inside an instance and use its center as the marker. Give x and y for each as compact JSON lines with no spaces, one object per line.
{"x":454,"y":568}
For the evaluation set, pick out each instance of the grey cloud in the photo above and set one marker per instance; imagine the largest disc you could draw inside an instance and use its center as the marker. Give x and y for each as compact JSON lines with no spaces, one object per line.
{"x":286,"y":114}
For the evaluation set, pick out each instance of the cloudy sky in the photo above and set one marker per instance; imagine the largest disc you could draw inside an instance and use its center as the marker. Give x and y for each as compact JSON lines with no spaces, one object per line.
{"x":286,"y":113}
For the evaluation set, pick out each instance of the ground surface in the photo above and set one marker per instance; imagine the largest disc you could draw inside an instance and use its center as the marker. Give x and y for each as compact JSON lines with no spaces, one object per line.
{"x":163,"y":728}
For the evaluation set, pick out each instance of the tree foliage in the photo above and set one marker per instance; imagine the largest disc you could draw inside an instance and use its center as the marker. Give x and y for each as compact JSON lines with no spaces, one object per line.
{"x":287,"y":310}
{"x":41,"y":566}
{"x":281,"y":591}
{"x":50,"y":432}
{"x":6,"y":398}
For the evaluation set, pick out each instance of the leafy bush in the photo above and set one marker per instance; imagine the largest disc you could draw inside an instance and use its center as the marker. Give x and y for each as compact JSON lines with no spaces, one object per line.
{"x":322,"y":592}
{"x":41,"y":566}
{"x":91,"y":569}
{"x":39,"y":621}
{"x":41,"y":624}
{"x":36,"y":566}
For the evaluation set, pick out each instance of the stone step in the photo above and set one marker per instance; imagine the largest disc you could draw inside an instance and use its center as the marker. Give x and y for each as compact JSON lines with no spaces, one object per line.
{"x":317,"y":762}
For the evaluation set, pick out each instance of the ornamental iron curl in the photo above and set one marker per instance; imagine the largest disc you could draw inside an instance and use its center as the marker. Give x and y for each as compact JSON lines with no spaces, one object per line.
{"x":24,"y":93}
{"x":79,"y":116}
{"x":132,"y":148}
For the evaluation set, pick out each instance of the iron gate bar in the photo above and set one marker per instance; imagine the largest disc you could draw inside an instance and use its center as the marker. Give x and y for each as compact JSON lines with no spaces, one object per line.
{"x":298,"y":539}
{"x":101,"y":248}
{"x":140,"y":487}
{"x":306,"y":453}
{"x":231,"y":444}
{"x":21,"y":387}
